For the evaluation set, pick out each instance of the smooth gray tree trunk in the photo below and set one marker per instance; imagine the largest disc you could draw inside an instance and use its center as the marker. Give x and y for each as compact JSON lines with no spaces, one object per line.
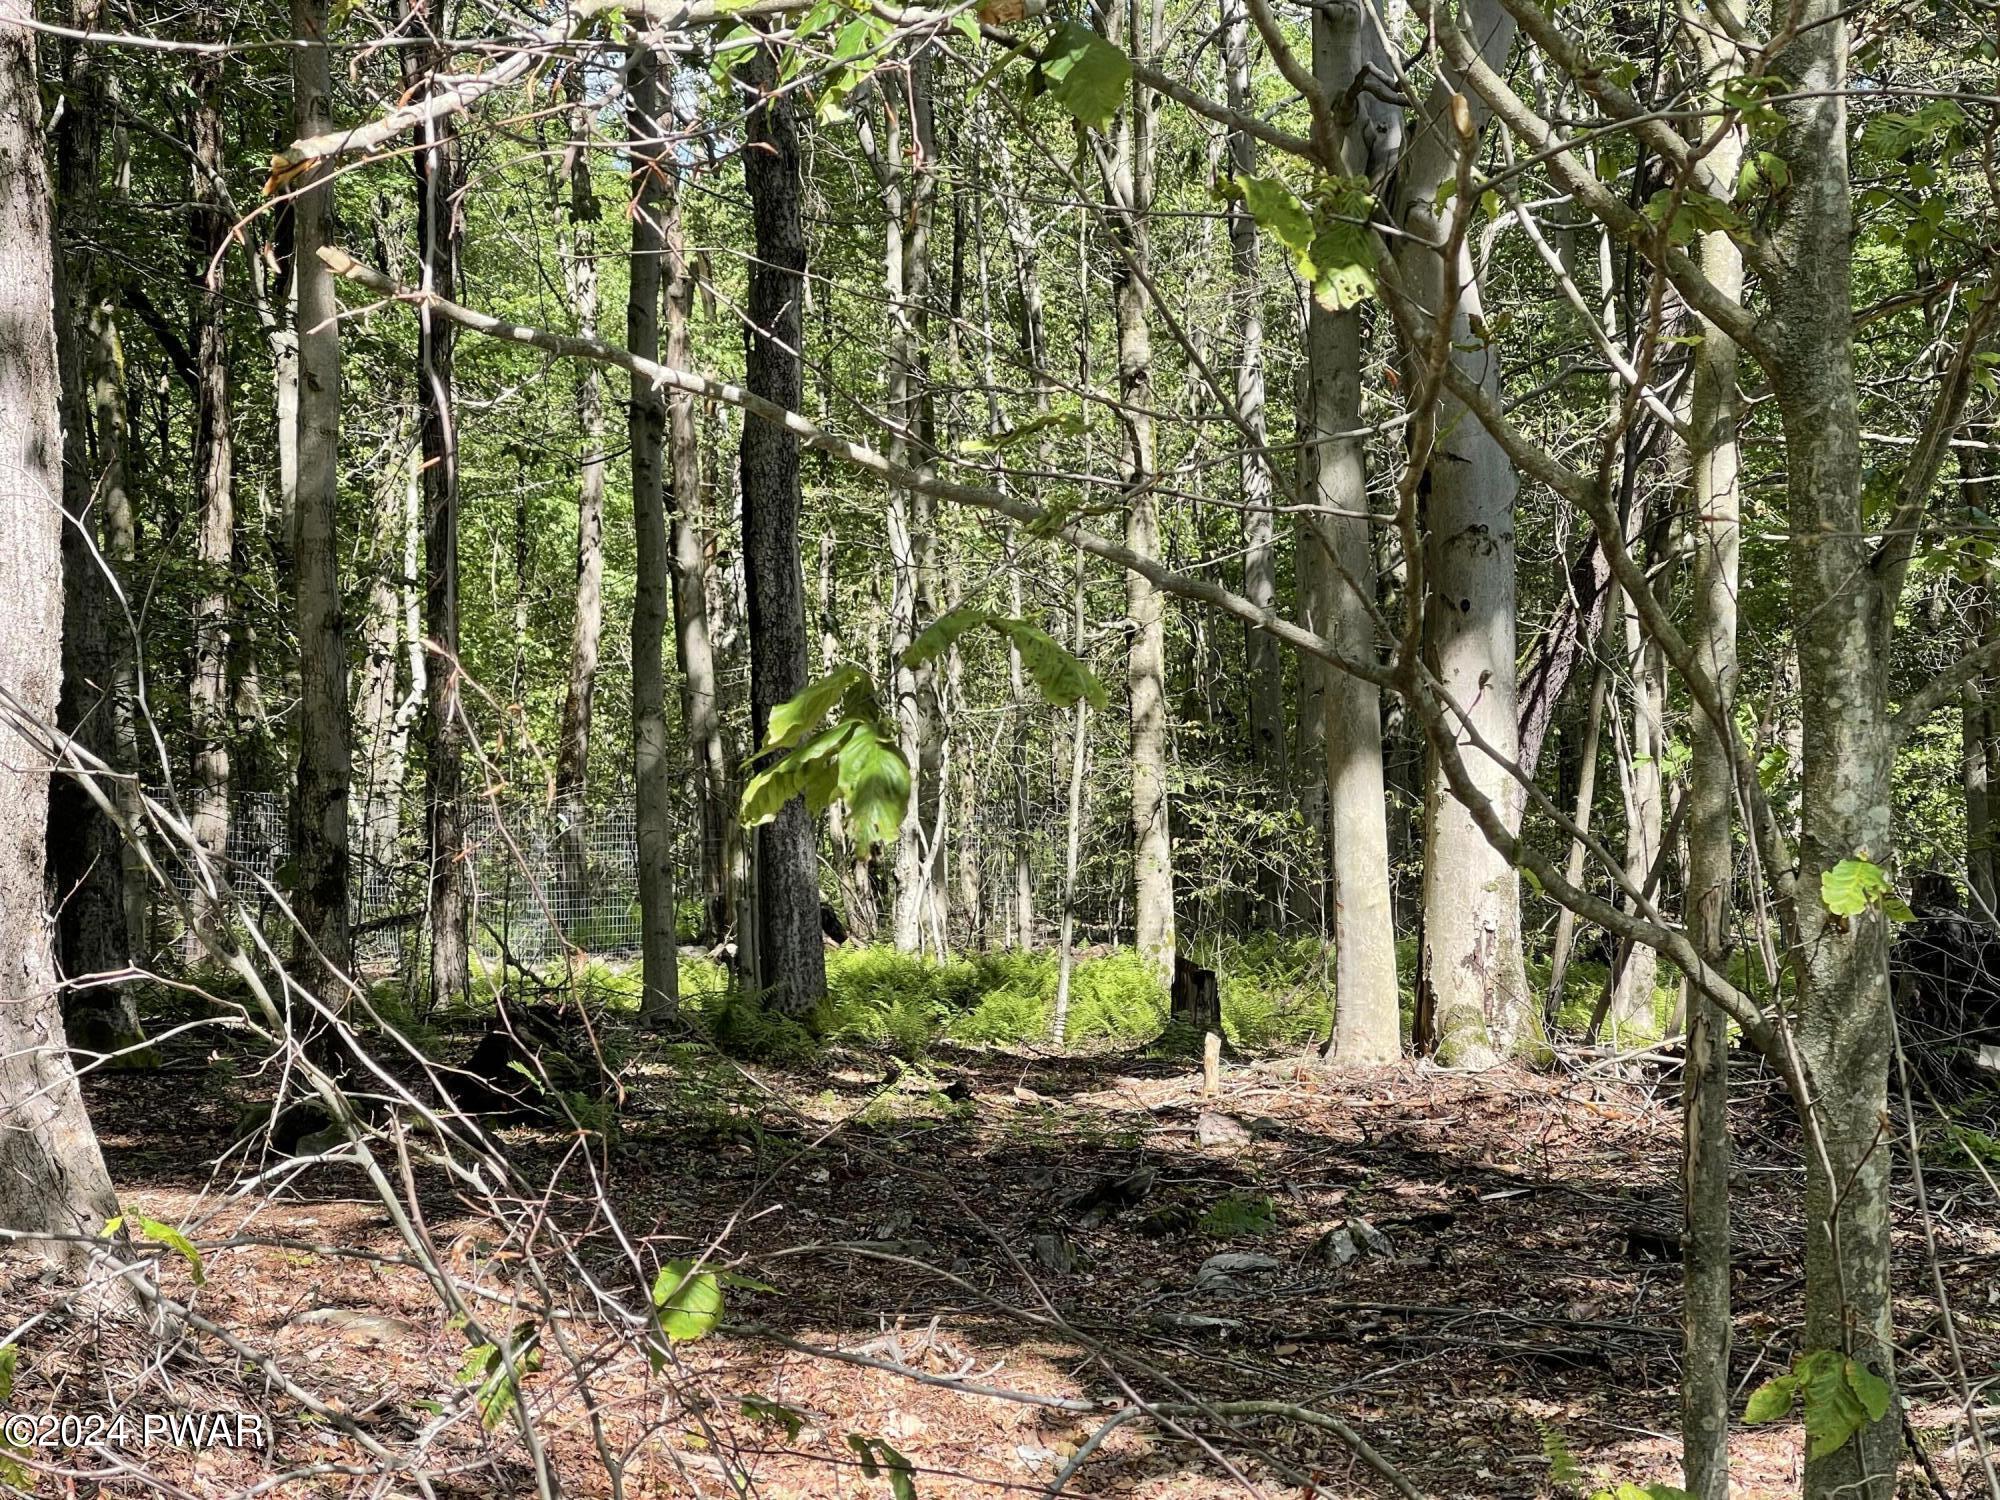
{"x":1474,"y":990}
{"x":1367,"y":1023}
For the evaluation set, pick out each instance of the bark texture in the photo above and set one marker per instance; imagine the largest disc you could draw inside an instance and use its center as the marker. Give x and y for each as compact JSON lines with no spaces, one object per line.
{"x":1367,"y":1026}
{"x":1474,"y":989}
{"x":651,"y":202}
{"x":792,"y":960}
{"x":450,"y":895}
{"x":319,"y":894}
{"x":52,"y":1177}
{"x":1135,"y":24}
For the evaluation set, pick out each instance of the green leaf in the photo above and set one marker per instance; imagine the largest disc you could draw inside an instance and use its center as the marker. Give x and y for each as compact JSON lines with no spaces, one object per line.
{"x":874,"y":782}
{"x":1869,"y":1388}
{"x":796,"y":717}
{"x":485,"y":1369}
{"x":1278,"y":209}
{"x":1854,"y":885}
{"x":1771,"y":1401}
{"x":776,"y":1413}
{"x":876,"y":1456}
{"x":1061,"y":677}
{"x":159,"y":1234}
{"x":943,"y":633}
{"x":10,"y":1358}
{"x":688,"y":1302}
{"x":1085,"y":74}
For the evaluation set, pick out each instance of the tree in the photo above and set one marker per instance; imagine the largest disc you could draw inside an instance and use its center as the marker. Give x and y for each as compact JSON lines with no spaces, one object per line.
{"x":1128,"y":180}
{"x":319,"y":856}
{"x":449,"y":898}
{"x":651,"y":201}
{"x":53,"y":1185}
{"x":215,"y":470}
{"x":791,"y":961}
{"x":94,"y":934}
{"x":572,"y":773}
{"x":1473,"y":1000}
{"x":1367,"y":1019}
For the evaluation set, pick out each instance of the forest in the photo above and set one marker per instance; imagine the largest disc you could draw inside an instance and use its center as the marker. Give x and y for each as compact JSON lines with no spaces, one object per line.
{"x":1137,"y":748}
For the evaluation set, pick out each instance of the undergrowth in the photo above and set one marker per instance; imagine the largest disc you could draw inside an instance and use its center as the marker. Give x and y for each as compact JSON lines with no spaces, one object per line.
{"x":1276,"y":993}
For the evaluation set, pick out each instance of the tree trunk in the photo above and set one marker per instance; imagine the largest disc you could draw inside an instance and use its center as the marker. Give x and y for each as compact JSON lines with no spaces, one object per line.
{"x":319,"y":894}
{"x":1564,"y":941}
{"x":1631,"y":1008}
{"x":1260,"y":548}
{"x":93,"y":927}
{"x":1715,"y":414}
{"x":701,"y":698}
{"x":1475,"y":989}
{"x":1975,"y":755}
{"x":792,"y":959}
{"x":214,"y":473}
{"x":905,"y":169}
{"x":379,"y":729}
{"x":651,"y":203}
{"x":1079,"y":752}
{"x":112,"y":502}
{"x":1367,"y":1018}
{"x":1844,"y":1023}
{"x":1135,"y":24}
{"x":572,"y":772}
{"x":52,"y":1177}
{"x":450,"y":895}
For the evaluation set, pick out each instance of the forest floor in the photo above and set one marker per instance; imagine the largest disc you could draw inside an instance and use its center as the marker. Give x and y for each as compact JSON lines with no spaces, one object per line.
{"x":998,"y":1221}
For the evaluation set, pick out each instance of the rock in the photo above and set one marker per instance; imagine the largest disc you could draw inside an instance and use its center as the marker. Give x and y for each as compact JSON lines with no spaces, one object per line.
{"x":1368,"y":1238}
{"x":1194,"y":1322}
{"x":1056,"y":1252}
{"x":1215,"y":1129}
{"x":1336,"y":1248}
{"x":1098,"y":1203}
{"x":1223,"y":1268}
{"x":1351,"y":1242}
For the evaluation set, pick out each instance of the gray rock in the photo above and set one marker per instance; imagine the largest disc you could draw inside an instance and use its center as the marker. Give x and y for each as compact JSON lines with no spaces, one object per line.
{"x":1216,"y":1129}
{"x":1231,"y":1264}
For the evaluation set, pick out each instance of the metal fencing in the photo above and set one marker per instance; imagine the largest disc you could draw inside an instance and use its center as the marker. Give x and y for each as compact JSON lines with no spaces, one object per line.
{"x":539,"y":885}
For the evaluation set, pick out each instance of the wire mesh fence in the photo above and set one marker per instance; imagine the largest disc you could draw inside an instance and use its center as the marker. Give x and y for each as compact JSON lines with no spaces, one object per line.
{"x":541,"y":884}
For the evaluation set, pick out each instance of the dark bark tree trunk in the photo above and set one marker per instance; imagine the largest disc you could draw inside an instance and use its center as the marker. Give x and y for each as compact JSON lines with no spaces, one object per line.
{"x":86,"y":869}
{"x":792,"y":961}
{"x":319,"y":895}
{"x":652,"y":202}
{"x":436,"y":172}
{"x":52,"y":1177}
